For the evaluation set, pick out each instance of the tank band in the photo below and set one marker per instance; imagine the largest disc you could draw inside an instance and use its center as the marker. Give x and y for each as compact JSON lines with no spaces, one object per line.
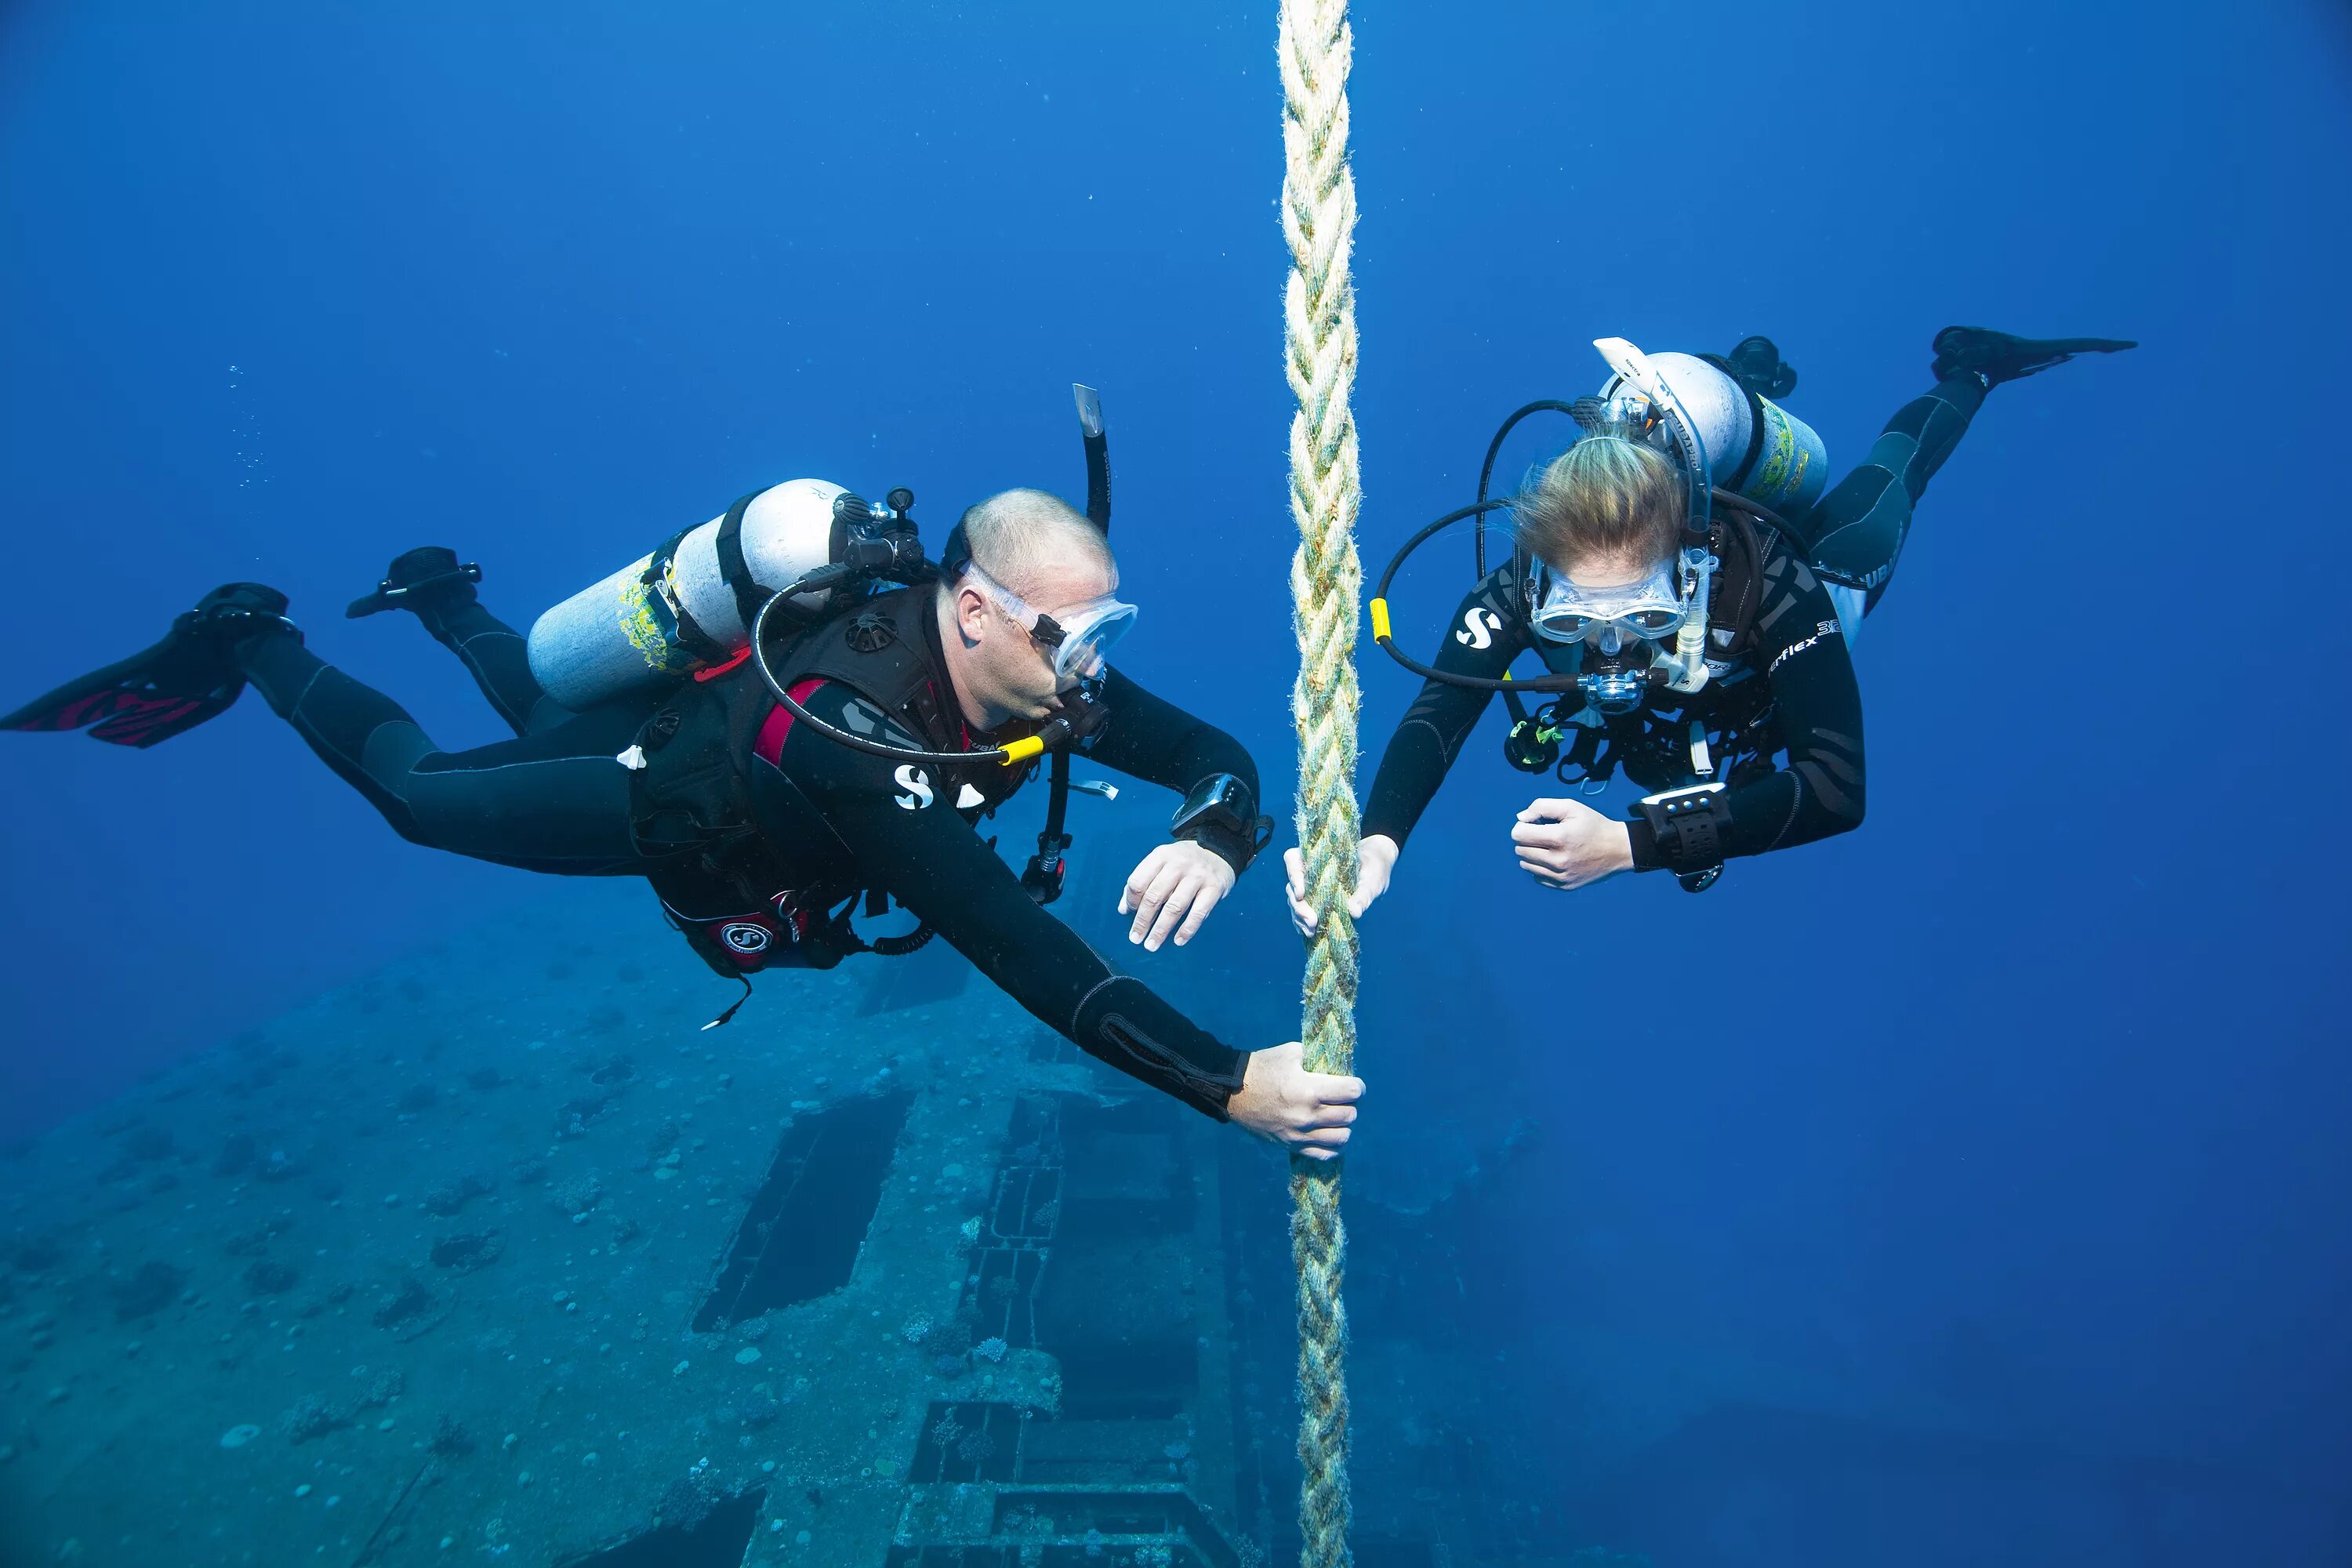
{"x":733,"y":569}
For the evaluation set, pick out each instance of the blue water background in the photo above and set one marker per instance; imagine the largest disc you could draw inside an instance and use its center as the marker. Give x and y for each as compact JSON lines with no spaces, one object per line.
{"x":2024,"y":1105}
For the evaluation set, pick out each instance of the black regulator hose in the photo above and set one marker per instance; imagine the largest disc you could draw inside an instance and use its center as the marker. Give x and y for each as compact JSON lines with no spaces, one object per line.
{"x":1756,"y":510}
{"x":1380,"y":611}
{"x":1494,"y":449}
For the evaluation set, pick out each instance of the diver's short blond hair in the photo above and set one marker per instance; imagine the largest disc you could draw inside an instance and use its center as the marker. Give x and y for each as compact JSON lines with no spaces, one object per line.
{"x":1015,"y":535}
{"x":1606,"y":498}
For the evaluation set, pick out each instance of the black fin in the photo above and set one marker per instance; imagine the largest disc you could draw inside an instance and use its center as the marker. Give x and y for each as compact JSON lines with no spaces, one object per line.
{"x":428,"y":576}
{"x":166,"y":690}
{"x":1757,"y":365}
{"x":1999,"y":357}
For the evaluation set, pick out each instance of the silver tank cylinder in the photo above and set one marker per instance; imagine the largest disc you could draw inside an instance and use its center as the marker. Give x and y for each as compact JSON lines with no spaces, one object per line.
{"x":622,"y":634}
{"x":1791,"y":467}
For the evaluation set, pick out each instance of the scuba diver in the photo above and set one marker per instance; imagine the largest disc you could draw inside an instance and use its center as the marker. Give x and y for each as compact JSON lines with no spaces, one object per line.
{"x":1693,"y":597}
{"x":769,"y":759}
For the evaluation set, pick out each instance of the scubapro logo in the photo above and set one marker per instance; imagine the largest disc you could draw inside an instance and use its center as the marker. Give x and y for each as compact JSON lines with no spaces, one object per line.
{"x":918,"y":787}
{"x":1478,"y":628}
{"x":746,"y":937}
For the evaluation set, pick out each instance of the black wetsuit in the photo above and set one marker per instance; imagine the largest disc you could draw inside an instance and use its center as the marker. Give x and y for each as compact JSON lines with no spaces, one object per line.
{"x":1853,"y":535}
{"x":801,"y":823}
{"x":1786,"y":691}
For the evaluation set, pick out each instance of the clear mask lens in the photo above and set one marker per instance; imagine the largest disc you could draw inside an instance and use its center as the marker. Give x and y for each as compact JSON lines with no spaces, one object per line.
{"x":1651,"y":609}
{"x":1088,"y":635}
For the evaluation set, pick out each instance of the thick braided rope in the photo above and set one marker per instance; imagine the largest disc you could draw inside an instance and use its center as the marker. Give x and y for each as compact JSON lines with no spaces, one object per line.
{"x":1318,"y":219}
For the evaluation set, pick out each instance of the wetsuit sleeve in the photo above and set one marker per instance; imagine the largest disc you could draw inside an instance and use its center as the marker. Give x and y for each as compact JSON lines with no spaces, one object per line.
{"x":1800,"y":650}
{"x":898,"y":823}
{"x":1487,"y":632}
{"x":1157,"y":741}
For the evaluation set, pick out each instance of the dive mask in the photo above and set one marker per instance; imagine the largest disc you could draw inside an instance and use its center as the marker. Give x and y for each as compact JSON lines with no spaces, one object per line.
{"x":1647,"y":610}
{"x":1078,"y":640}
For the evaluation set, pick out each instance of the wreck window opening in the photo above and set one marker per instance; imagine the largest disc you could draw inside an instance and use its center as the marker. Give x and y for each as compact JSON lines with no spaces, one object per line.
{"x":716,"y":1538}
{"x":801,"y":1235}
{"x":1115,"y":1303}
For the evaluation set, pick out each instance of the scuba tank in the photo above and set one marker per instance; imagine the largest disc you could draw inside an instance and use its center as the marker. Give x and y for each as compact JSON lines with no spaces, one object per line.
{"x":689,"y":604}
{"x":1754,"y":448}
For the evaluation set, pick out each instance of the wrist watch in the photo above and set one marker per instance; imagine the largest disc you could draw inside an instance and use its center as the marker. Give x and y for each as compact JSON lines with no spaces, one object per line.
{"x":1220,"y":816}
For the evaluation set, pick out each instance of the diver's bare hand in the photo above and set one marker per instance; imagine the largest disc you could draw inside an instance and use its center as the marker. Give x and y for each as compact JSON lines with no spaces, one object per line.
{"x":1309,"y":1112}
{"x":1177,"y":881}
{"x":1375,"y":858}
{"x":1567,"y":844}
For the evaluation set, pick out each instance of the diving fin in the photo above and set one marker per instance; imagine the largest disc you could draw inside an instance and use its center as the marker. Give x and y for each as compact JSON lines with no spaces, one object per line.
{"x":428,"y":577}
{"x":1999,"y":357}
{"x":1757,"y":365}
{"x":170,"y":689}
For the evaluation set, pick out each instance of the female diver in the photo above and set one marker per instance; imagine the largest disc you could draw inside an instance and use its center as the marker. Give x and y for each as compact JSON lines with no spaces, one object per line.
{"x":1692,"y":603}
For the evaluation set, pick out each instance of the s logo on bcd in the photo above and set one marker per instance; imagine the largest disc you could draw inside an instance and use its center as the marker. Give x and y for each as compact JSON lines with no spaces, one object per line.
{"x":912,"y":778}
{"x":745,"y":937}
{"x":1478,"y":628}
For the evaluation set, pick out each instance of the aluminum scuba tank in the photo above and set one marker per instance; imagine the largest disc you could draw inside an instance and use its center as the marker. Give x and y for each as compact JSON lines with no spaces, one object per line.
{"x":679,"y":608}
{"x":1754,"y":447}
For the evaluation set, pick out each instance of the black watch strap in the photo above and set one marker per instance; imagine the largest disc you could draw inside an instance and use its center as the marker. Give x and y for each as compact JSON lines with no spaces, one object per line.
{"x":1221,"y":814}
{"x":1686,"y":827}
{"x":1231,"y":848}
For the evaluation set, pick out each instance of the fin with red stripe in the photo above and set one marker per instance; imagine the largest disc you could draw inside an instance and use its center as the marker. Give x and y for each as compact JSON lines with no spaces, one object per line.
{"x":166,"y":690}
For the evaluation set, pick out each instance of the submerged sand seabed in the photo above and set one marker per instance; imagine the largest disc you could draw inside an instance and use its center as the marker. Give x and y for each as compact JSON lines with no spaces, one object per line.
{"x":508,"y":1259}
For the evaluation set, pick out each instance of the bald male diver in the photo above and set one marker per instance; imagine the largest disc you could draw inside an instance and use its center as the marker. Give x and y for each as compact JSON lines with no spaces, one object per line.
{"x":848,"y":752}
{"x":1692,"y":596}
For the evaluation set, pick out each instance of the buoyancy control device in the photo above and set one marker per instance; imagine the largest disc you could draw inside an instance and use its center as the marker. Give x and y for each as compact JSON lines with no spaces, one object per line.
{"x":712,"y":864}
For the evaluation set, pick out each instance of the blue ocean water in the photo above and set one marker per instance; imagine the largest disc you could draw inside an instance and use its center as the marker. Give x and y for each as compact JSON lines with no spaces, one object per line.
{"x":1970,"y":1186}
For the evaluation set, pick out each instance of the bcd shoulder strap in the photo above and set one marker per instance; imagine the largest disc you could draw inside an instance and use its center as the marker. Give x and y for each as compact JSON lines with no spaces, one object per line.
{"x":1738,"y":587}
{"x":880,"y":649}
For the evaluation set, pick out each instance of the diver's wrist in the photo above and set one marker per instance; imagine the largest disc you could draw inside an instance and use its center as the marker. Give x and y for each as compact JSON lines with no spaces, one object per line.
{"x":1231,"y":848}
{"x":1220,"y":813}
{"x":1641,"y":852}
